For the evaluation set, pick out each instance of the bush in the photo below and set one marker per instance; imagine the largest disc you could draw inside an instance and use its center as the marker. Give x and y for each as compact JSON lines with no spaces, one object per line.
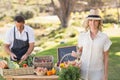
{"x":109,"y":19}
{"x":27,"y":14}
{"x":1,"y":43}
{"x":38,"y":25}
{"x":1,"y":77}
{"x":2,"y":16}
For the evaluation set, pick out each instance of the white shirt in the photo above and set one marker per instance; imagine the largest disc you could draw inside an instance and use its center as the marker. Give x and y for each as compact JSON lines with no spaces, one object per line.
{"x":9,"y":38}
{"x":92,"y":53}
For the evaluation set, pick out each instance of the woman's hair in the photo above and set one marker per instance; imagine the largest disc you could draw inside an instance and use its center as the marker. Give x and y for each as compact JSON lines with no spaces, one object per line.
{"x":94,"y":15}
{"x":86,"y":25}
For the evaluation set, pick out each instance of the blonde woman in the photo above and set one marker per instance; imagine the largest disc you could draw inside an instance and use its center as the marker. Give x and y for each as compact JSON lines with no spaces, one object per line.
{"x":94,"y":48}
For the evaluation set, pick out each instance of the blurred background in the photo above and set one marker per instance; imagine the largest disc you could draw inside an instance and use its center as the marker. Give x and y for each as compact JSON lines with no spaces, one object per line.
{"x":57,"y":23}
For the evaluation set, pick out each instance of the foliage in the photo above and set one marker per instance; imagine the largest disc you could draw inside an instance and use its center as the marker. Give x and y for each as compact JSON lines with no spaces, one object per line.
{"x":1,"y":42}
{"x":39,"y":25}
{"x":70,"y":73}
{"x":109,"y":19}
{"x":1,"y":77}
{"x":11,"y":64}
{"x":26,"y":13}
{"x":107,"y":25}
{"x":2,"y":16}
{"x":30,"y":60}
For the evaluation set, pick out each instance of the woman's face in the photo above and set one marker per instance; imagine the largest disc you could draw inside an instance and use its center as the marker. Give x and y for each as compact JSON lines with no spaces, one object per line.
{"x":93,"y":24}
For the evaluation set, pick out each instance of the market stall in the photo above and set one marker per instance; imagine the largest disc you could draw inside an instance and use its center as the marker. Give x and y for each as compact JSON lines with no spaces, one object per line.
{"x":43,"y":68}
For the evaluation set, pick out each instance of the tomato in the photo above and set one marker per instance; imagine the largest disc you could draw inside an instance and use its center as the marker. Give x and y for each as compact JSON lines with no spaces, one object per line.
{"x":25,"y":65}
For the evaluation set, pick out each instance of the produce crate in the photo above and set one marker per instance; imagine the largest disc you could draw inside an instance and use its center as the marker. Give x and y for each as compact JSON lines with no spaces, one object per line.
{"x":43,"y":61}
{"x":20,"y":71}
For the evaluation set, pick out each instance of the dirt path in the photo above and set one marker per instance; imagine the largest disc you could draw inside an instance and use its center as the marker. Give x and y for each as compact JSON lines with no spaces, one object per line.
{"x":3,"y":32}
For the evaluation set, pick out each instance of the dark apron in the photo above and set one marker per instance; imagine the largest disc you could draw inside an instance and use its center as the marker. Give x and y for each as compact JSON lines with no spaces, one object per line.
{"x":20,"y":47}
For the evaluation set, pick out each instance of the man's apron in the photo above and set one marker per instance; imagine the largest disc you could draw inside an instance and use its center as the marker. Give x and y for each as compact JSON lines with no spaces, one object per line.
{"x":20,"y":47}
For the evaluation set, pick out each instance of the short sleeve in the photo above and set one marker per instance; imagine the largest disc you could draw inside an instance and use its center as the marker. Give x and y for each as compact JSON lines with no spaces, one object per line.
{"x":80,"y":40}
{"x":8,"y":38}
{"x":107,"y":44}
{"x":31,"y":35}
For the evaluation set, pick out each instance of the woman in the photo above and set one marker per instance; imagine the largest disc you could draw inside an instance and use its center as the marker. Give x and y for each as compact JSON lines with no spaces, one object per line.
{"x":93,"y":46}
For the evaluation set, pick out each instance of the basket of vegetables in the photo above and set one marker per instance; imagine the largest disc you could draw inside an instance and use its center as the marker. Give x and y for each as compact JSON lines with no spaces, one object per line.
{"x":43,"y":61}
{"x":69,"y":73}
{"x":13,"y":68}
{"x":69,"y":70}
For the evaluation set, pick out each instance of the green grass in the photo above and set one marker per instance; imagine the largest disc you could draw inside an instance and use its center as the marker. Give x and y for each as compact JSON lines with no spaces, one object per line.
{"x":53,"y":50}
{"x":114,"y":58}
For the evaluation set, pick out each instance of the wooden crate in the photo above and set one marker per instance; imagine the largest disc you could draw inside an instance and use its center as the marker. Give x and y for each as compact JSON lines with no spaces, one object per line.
{"x":43,"y":61}
{"x":20,"y":71}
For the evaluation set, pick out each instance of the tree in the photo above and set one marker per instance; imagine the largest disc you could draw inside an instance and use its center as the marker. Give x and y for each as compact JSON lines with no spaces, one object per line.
{"x":95,"y":3}
{"x":63,"y":9}
{"x":117,"y":6}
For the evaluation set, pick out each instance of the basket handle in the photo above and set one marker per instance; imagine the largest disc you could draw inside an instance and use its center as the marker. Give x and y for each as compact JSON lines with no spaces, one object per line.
{"x":64,"y":56}
{"x":78,"y":57}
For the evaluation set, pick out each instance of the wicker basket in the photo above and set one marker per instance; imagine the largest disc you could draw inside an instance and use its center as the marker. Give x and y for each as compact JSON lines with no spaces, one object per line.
{"x":43,"y":61}
{"x":20,"y":71}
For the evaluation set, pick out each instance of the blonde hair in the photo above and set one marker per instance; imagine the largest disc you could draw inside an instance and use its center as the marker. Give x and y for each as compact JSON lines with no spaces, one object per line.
{"x":86,"y":26}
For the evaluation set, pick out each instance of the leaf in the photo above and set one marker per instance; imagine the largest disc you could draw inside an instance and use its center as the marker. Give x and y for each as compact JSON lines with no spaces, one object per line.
{"x":12,"y":64}
{"x":1,"y":77}
{"x":70,"y":73}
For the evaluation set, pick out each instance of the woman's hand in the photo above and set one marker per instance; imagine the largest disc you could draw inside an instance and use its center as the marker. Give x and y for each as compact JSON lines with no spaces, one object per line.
{"x":73,"y":54}
{"x":105,"y":77}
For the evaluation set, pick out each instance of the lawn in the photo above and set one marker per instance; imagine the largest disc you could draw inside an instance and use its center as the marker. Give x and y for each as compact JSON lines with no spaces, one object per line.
{"x":114,"y":56}
{"x":114,"y":59}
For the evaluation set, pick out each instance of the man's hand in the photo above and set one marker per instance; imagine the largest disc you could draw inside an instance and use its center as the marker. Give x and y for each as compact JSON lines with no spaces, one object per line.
{"x":24,"y":57}
{"x":13,"y":56}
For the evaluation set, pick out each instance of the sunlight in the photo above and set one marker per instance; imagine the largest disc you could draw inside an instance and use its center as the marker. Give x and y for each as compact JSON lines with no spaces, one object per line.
{"x":117,"y":53}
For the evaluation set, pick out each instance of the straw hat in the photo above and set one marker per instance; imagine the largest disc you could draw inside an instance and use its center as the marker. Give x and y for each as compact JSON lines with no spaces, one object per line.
{"x":94,"y":14}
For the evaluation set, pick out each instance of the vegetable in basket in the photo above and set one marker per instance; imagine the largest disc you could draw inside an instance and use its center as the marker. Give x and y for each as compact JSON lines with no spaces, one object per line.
{"x":1,"y":77}
{"x":12,"y":64}
{"x":69,"y":73}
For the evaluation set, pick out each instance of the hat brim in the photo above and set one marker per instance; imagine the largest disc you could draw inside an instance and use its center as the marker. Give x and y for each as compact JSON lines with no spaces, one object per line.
{"x":94,"y":18}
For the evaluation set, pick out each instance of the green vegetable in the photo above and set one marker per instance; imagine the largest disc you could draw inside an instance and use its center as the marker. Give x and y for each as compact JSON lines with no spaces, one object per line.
{"x":24,"y":62}
{"x":70,"y":73}
{"x":12,"y":64}
{"x":1,"y":58}
{"x":30,"y":60}
{"x":1,"y":77}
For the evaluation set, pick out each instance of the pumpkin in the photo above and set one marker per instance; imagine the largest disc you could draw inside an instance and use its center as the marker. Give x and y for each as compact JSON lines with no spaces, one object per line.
{"x":49,"y":72}
{"x":53,"y":71}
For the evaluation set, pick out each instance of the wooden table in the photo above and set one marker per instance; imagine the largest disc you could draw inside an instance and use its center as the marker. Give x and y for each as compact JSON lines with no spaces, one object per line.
{"x":31,"y":77}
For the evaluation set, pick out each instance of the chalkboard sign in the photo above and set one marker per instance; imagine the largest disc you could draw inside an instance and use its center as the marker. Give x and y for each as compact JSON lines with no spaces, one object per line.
{"x":63,"y":53}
